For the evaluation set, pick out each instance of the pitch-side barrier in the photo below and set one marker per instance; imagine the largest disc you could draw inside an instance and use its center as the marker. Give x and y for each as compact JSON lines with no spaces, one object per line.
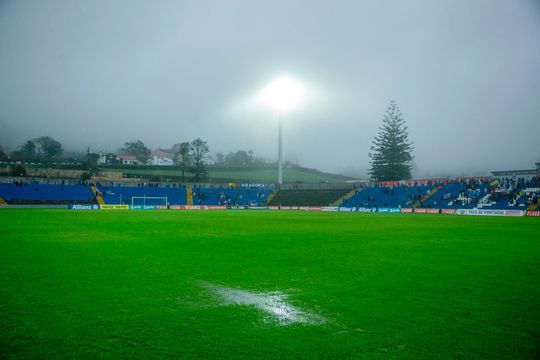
{"x":473,"y":212}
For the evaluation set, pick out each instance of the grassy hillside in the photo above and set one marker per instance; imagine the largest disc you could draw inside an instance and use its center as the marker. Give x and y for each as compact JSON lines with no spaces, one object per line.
{"x":220,"y":285}
{"x":263,"y":175}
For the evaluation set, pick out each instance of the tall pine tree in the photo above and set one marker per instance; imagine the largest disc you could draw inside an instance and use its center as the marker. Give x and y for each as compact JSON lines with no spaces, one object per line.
{"x":391,"y":150}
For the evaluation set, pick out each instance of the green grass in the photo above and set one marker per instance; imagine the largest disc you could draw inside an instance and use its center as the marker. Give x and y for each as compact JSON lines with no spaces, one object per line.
{"x":257,"y":175}
{"x":128,"y":284}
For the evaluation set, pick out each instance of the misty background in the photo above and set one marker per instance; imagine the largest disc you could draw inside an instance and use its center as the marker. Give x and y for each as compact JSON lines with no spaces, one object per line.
{"x":466,"y":75}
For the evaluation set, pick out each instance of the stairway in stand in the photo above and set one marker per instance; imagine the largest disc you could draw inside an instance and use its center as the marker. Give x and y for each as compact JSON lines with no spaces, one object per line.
{"x":271,"y":196}
{"x":189,"y":194}
{"x":98,"y":196}
{"x":346,"y":197}
{"x":427,"y":196}
{"x":533,"y":207}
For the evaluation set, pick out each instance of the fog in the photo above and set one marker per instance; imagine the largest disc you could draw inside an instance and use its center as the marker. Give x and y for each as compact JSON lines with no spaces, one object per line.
{"x":466,"y":75}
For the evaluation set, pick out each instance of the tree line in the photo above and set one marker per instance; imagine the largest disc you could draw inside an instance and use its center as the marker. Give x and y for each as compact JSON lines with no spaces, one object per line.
{"x":43,"y":149}
{"x":390,"y":155}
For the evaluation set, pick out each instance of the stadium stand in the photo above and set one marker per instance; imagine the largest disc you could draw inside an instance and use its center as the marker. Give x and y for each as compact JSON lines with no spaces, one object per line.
{"x":397,"y":196}
{"x":502,"y":194}
{"x":443,"y":197}
{"x":124,"y":194}
{"x":254,"y":196}
{"x":21,"y":193}
{"x":510,"y":194}
{"x":297,"y":197}
{"x":466,"y":193}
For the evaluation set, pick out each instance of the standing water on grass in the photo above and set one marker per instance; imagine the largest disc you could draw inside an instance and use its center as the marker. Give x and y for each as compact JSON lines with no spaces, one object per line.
{"x":273,"y":303}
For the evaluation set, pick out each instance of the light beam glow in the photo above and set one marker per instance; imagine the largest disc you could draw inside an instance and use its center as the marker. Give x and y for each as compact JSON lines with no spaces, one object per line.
{"x":283,"y":94}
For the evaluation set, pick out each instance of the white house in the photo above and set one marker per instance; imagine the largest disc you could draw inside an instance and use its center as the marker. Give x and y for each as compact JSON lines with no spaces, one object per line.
{"x":161,"y":157}
{"x":129,"y":160}
{"x":164,"y":161}
{"x":108,"y":159}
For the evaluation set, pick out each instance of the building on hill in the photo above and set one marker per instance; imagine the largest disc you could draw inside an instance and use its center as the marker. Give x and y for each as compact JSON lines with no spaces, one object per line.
{"x":129,"y":160}
{"x":160,"y":157}
{"x":160,"y":161}
{"x":109,"y":159}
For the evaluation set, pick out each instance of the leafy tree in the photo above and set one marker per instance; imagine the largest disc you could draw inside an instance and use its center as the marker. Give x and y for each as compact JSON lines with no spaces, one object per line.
{"x":136,"y":148}
{"x":42,"y":149}
{"x":182,"y":156}
{"x":18,"y":170}
{"x":220,"y":158}
{"x":3,"y":156}
{"x":91,"y":160}
{"x":199,"y":155}
{"x":391,"y":149}
{"x":85,"y":177}
{"x":17,"y":155}
{"x":239,"y":158}
{"x":47,"y":148}
{"x":28,"y":151}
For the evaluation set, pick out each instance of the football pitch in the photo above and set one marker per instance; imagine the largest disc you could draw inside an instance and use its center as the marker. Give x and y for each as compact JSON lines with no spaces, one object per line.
{"x":253,"y":284}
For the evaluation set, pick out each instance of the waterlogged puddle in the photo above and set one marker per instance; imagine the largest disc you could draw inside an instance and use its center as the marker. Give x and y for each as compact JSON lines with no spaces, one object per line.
{"x":274,"y":304}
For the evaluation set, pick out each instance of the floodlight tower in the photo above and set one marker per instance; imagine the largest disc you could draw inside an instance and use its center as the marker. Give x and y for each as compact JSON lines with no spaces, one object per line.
{"x":282,"y":95}
{"x":280,"y":150}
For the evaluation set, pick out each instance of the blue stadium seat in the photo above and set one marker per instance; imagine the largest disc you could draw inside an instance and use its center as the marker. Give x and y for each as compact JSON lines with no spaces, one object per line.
{"x":37,"y":193}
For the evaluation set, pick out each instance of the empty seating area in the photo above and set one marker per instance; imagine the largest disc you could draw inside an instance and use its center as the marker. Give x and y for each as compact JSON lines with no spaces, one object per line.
{"x":397,"y":196}
{"x":319,"y":197}
{"x":45,"y":194}
{"x":444,"y":197}
{"x":253,"y":196}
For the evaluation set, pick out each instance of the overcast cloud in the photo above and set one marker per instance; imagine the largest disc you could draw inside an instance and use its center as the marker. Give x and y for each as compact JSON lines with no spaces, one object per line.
{"x":465,"y":73}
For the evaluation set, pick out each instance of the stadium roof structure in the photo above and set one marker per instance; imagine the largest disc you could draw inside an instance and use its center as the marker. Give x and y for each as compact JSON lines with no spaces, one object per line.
{"x":509,"y":173}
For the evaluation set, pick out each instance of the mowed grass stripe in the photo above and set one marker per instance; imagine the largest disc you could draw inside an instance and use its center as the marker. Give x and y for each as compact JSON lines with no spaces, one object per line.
{"x":119,"y":284}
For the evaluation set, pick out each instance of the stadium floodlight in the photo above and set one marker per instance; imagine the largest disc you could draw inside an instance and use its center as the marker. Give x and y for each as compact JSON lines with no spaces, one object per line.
{"x":283,"y":94}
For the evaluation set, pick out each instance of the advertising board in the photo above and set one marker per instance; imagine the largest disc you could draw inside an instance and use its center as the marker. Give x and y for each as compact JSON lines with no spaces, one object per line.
{"x":114,"y":207}
{"x":388,"y":210}
{"x":84,"y":207}
{"x":143,"y":207}
{"x":448,"y":211}
{"x":490,"y":212}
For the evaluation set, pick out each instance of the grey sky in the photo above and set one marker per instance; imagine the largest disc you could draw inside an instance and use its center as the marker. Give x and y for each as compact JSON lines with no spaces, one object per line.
{"x":466,"y":75}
